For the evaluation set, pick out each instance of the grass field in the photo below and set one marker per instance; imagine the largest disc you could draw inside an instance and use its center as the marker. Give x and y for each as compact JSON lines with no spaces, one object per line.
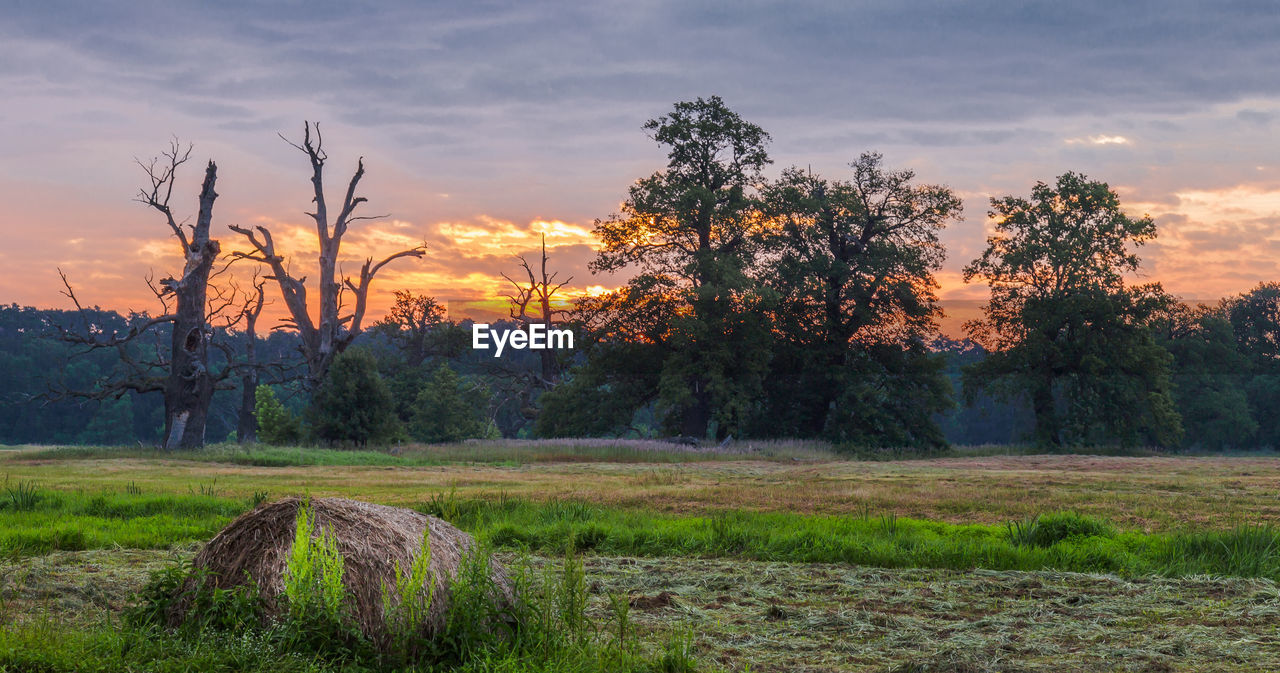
{"x":769,"y":557}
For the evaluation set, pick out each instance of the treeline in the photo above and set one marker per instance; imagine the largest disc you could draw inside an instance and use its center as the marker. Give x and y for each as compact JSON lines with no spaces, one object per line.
{"x":408,"y":379}
{"x":801,"y":306}
{"x":1224,"y":371}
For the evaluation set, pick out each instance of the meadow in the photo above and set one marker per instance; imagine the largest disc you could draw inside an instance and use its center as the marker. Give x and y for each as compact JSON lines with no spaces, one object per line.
{"x":772,"y":556}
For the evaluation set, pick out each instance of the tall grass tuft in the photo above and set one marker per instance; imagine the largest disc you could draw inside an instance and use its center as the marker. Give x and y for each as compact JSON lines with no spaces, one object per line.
{"x":21,"y":497}
{"x":1247,"y":551}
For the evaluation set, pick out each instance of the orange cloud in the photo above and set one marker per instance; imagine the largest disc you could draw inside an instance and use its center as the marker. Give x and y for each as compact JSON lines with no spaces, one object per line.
{"x":1214,"y":243}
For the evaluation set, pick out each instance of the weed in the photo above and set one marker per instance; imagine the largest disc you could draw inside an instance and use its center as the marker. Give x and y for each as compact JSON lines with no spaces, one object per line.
{"x":620,"y":615}
{"x":677,"y":655}
{"x":208,"y":606}
{"x":407,"y":605}
{"x":313,"y":577}
{"x":1247,"y":550}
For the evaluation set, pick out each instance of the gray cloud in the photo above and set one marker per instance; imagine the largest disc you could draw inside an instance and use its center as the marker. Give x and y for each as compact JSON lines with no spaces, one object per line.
{"x":517,"y":109}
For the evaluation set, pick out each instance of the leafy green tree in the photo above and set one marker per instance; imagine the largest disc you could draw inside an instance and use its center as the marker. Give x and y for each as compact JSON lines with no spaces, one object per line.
{"x":449,"y":409}
{"x":352,"y":404}
{"x":1209,"y":376}
{"x":690,"y":230}
{"x":1062,"y":325}
{"x":1255,"y":325}
{"x":276,"y":425}
{"x":851,"y":265}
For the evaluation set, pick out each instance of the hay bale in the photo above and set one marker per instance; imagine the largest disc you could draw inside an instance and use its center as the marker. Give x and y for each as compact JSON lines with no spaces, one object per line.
{"x":371,"y":539}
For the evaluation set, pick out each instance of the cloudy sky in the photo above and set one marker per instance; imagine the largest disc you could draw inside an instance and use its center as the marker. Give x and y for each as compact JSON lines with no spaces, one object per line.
{"x":483,"y":123}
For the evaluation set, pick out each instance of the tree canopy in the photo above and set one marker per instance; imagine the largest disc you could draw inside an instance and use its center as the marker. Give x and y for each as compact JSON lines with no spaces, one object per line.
{"x":1063,"y":326}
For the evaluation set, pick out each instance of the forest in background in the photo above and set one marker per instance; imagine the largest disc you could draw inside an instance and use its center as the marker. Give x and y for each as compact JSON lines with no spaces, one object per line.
{"x":1225,"y":377}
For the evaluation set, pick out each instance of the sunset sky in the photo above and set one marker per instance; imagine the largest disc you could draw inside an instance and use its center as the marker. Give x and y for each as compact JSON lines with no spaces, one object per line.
{"x":483,"y":124}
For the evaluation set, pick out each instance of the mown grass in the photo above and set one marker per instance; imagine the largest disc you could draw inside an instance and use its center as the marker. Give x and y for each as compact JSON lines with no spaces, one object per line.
{"x":762,"y":615}
{"x":76,"y":520}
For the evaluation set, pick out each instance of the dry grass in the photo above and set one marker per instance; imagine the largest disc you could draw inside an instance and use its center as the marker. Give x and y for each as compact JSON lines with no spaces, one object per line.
{"x":1149,"y":493}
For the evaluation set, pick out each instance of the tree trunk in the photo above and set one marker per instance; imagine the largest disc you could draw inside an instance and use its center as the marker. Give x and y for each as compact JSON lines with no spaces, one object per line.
{"x":247,"y":428}
{"x":1042,"y":403}
{"x":696,"y":418}
{"x":189,"y":387}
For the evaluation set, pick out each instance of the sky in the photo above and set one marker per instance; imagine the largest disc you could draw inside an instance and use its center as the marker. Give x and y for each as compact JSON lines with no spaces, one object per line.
{"x":484,"y":124}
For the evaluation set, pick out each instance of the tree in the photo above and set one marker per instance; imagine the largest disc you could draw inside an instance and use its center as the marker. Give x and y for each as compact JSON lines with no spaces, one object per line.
{"x":1062,"y":325}
{"x":247,"y":427}
{"x":851,"y":266}
{"x":1210,"y":377}
{"x":1255,"y":324}
{"x":419,"y":335}
{"x":449,"y":409}
{"x":690,"y":230}
{"x":353,"y":405}
{"x":1254,"y":319}
{"x":183,"y":373}
{"x":539,"y":291}
{"x":333,"y":332}
{"x":416,"y":325}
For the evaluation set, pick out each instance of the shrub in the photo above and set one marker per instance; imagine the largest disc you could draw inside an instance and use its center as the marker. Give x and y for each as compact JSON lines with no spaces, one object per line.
{"x":276,"y":425}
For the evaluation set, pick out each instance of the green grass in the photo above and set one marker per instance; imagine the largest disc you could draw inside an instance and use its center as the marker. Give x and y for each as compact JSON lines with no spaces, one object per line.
{"x":1061,"y":541}
{"x":77,"y":520}
{"x":54,"y":520}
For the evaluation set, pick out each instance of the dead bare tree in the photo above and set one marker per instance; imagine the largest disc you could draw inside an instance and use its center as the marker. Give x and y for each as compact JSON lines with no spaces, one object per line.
{"x":187,"y":382}
{"x":247,"y":427}
{"x":539,"y":290}
{"x":324,"y":338}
